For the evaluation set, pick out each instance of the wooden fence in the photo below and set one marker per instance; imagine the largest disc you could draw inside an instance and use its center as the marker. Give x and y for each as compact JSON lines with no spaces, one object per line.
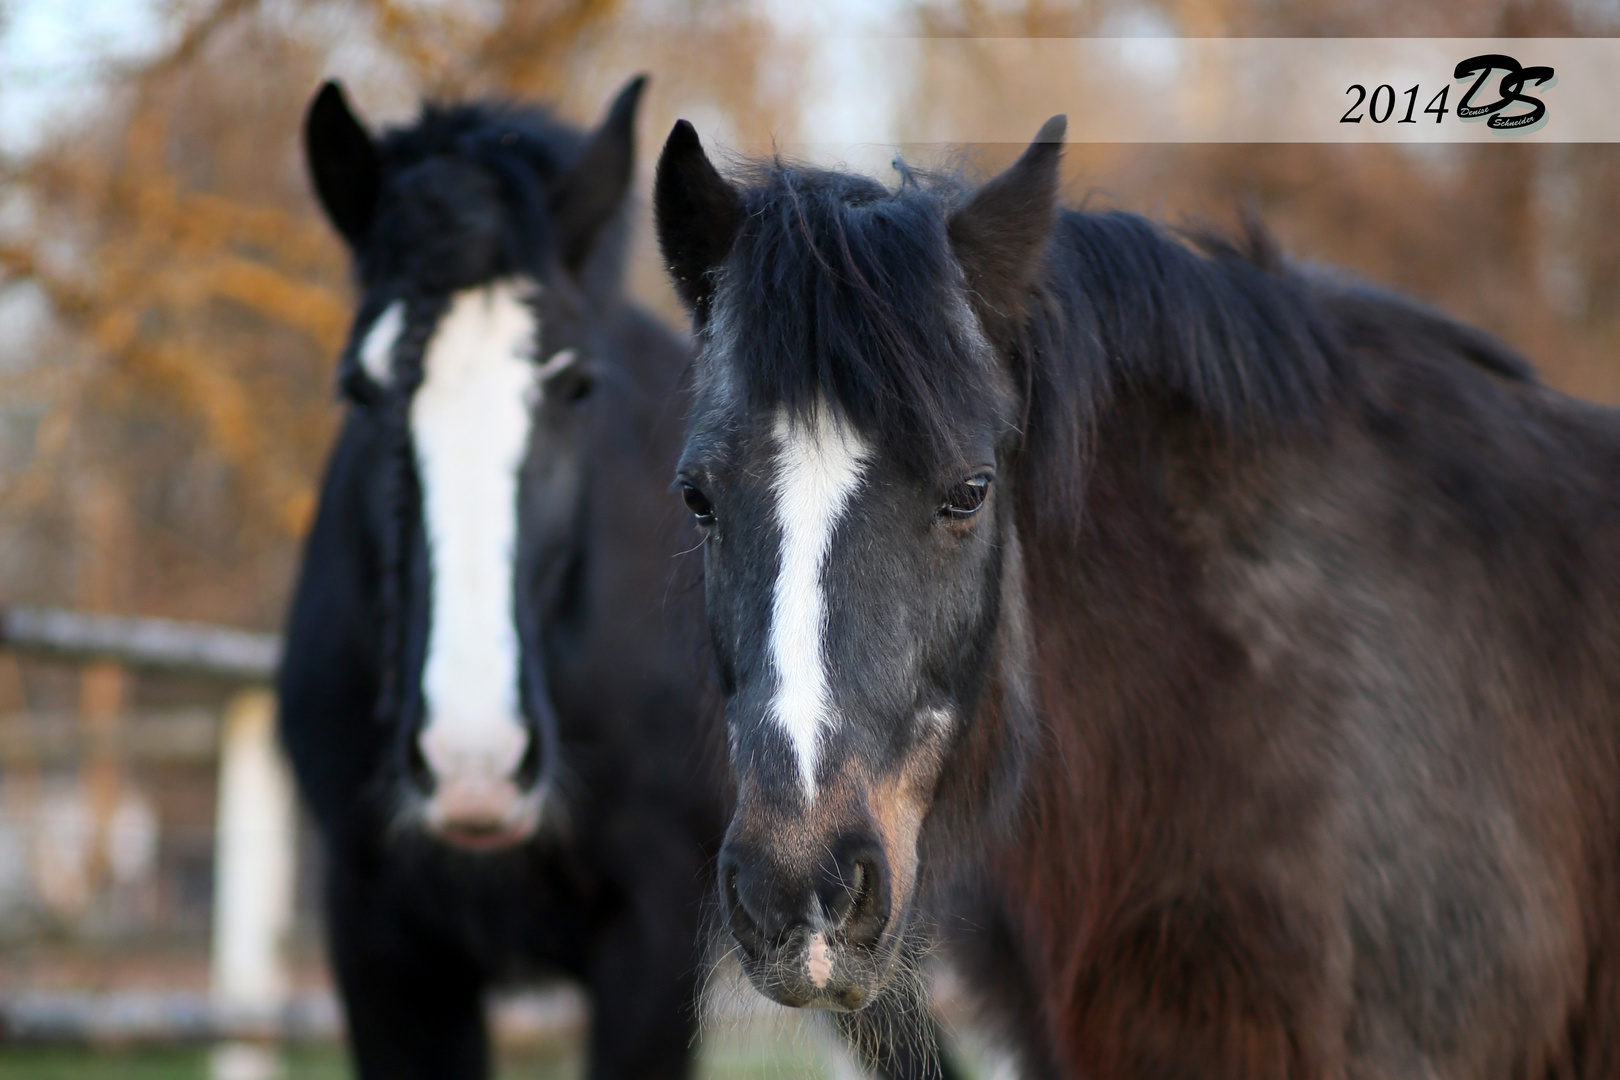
{"x":255,"y":828}
{"x":254,"y":855}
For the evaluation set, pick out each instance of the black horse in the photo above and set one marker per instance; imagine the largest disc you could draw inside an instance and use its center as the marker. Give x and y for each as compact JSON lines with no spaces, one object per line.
{"x":492,"y":692}
{"x":1230,"y":653}
{"x":488,"y":695}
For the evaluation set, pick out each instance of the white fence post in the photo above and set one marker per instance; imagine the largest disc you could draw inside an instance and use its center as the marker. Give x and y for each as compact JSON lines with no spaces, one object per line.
{"x":254,"y":856}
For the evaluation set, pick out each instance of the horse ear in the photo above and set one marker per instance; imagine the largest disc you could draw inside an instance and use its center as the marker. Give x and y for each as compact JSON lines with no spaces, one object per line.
{"x":343,"y":163}
{"x":590,"y":193}
{"x":697,"y":211}
{"x":999,"y":235}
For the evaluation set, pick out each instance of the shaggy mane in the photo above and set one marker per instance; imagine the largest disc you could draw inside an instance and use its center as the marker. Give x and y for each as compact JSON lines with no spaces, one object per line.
{"x":848,"y":289}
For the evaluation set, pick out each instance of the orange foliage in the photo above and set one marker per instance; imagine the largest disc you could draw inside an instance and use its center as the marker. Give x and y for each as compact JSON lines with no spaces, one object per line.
{"x":198,"y":299}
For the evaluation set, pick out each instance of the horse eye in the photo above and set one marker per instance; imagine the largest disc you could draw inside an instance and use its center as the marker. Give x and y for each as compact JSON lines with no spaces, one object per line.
{"x":697,"y":502}
{"x":566,"y":377}
{"x":964,"y":500}
{"x":579,"y":388}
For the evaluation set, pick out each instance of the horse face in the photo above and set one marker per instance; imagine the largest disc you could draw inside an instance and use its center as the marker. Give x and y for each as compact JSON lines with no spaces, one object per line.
{"x":851,"y":606}
{"x":475,"y":351}
{"x":856,"y":592}
{"x":495,"y":432}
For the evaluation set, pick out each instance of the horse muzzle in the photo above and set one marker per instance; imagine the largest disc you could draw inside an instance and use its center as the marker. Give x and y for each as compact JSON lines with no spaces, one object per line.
{"x":480,"y":789}
{"x":813,"y":939}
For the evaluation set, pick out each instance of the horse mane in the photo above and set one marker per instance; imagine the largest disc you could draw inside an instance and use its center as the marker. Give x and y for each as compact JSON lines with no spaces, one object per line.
{"x":842,"y":280}
{"x":523,"y":150}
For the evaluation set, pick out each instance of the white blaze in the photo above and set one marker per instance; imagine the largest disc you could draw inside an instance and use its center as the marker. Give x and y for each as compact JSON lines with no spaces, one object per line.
{"x":819,"y":463}
{"x":470,"y":425}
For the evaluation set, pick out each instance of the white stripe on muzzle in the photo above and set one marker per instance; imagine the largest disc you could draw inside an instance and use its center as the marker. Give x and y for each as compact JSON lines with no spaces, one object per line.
{"x":820,"y":462}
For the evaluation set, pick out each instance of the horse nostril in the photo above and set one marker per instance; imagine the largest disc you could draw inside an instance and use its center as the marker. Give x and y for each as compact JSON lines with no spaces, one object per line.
{"x":528,"y":770}
{"x":743,"y":926}
{"x":854,"y":891}
{"x":841,"y":901}
{"x":417,"y":769}
{"x":869,"y":908}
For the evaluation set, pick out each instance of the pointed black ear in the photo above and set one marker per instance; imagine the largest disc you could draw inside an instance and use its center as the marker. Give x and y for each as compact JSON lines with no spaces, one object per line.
{"x":998,"y":237}
{"x":343,"y":163}
{"x":698,"y":214}
{"x":589,"y":194}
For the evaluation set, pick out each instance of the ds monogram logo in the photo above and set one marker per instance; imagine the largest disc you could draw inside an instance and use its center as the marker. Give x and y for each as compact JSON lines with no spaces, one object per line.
{"x":1512,"y":82}
{"x":1381,"y":103}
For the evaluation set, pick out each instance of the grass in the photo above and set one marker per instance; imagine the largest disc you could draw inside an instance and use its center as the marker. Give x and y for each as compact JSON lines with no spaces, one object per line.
{"x":749,"y":1053}
{"x":144,"y":1064}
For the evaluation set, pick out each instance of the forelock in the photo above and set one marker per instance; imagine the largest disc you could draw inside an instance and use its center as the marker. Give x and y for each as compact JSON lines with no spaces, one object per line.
{"x":840,"y":289}
{"x":466,"y":195}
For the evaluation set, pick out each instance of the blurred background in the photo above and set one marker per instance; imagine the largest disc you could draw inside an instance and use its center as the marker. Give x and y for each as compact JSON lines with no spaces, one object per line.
{"x":171,"y":305}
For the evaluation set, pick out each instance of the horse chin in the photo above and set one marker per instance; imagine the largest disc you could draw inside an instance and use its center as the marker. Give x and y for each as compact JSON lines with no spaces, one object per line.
{"x":483,"y":838}
{"x":513,"y":825}
{"x":812,"y":971}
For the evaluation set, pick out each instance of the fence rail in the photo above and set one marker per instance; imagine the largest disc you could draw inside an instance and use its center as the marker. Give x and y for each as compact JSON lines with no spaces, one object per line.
{"x":177,"y":736}
{"x":167,"y":644}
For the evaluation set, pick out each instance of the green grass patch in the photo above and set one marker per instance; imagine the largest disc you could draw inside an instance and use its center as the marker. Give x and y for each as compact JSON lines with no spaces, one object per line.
{"x":753,"y":1052}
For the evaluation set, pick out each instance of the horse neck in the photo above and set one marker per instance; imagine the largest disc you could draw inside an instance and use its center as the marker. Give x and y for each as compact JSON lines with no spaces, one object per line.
{"x":1123,"y":662}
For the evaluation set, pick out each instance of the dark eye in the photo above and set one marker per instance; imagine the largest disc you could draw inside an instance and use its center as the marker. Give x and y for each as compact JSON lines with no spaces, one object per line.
{"x":567,"y":378}
{"x":581,"y":387}
{"x":964,"y":500}
{"x":697,"y":502}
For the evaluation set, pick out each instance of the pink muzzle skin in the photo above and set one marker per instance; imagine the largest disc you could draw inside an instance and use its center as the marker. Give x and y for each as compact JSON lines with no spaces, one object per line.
{"x":476,"y":801}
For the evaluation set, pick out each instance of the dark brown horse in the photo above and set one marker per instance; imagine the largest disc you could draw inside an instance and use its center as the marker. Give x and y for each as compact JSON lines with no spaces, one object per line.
{"x":1224,"y":657}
